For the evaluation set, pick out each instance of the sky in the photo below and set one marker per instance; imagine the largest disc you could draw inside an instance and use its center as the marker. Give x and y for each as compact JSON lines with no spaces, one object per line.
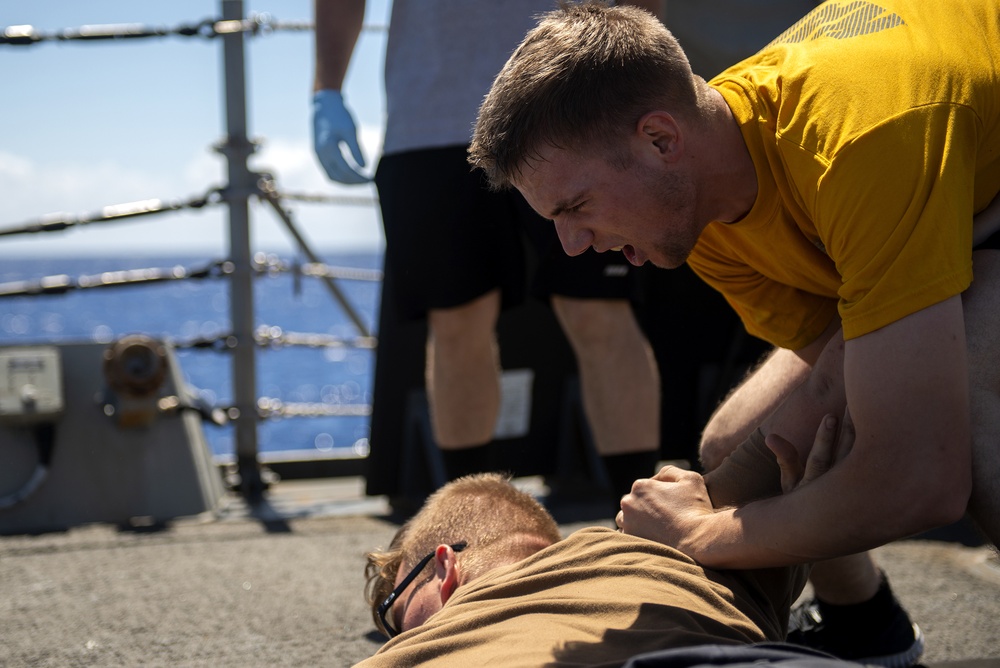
{"x":84,"y":125}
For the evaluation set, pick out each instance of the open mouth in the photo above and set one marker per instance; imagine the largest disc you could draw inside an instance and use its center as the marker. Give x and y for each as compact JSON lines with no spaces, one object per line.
{"x":629,"y":252}
{"x":631,"y":256}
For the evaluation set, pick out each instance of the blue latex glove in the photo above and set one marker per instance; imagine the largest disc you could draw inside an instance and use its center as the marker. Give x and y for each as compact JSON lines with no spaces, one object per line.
{"x":332,"y":126}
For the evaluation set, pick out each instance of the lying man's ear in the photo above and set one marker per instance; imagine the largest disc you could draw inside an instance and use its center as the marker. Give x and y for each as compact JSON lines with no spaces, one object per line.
{"x":447,"y":571}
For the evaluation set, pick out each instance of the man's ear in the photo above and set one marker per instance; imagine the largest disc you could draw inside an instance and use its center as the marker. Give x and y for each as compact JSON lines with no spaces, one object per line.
{"x":446,"y":570}
{"x":660,"y":130}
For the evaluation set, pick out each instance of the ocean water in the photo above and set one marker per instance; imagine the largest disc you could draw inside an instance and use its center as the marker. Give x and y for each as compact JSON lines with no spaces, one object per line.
{"x":186,"y":310}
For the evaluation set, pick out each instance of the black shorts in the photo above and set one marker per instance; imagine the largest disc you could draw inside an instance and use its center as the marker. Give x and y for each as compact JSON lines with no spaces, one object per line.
{"x":449,"y":239}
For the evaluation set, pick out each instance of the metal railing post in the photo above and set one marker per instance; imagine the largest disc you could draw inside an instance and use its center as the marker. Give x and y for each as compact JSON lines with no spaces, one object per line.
{"x":237,"y":149}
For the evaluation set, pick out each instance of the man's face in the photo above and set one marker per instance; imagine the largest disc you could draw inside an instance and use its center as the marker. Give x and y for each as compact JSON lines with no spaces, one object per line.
{"x":645,"y":209}
{"x":418,"y":601}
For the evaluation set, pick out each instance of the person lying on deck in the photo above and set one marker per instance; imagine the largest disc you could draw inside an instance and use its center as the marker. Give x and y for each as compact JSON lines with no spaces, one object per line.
{"x":481,"y":576}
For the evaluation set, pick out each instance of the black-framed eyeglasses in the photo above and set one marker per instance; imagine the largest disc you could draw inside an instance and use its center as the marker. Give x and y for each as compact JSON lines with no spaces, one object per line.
{"x":383,"y":607}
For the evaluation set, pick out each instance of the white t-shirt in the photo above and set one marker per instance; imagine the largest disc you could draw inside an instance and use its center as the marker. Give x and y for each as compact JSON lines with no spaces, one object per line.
{"x":441,"y":59}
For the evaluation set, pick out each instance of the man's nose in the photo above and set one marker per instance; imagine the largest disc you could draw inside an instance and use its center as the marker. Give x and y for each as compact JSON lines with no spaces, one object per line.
{"x":574,"y":241}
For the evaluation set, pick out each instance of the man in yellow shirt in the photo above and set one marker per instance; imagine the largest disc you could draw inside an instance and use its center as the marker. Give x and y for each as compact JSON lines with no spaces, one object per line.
{"x":827,"y":186}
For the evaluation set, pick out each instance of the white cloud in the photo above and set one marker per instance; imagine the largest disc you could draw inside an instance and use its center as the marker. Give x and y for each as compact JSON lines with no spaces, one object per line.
{"x":34,"y":189}
{"x":13,"y":167}
{"x":204,"y":170}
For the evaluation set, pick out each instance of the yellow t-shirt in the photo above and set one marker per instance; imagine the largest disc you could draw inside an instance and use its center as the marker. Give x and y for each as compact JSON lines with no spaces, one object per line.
{"x":875,"y":131}
{"x":596,"y":598}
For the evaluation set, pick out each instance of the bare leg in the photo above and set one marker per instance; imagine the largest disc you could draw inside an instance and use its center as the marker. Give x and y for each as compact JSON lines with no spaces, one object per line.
{"x":748,"y":405}
{"x":620,"y":384}
{"x":846,"y":580}
{"x":463,"y":366}
{"x":618,"y":374}
{"x":982,"y":325}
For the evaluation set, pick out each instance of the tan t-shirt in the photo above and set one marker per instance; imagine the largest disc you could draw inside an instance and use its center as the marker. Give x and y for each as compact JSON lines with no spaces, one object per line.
{"x":596,"y":598}
{"x":875,"y":129}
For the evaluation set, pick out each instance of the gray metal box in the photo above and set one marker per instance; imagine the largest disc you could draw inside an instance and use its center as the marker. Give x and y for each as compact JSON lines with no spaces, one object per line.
{"x":97,"y":470}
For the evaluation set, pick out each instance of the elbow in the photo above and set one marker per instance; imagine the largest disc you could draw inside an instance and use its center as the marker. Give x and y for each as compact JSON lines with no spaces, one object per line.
{"x":955,"y":502}
{"x":939,"y":501}
{"x":927,"y":487}
{"x":953,"y":489}
{"x":949,"y":508}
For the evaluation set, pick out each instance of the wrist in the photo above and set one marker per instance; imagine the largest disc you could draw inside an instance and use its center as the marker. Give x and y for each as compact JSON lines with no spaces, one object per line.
{"x":328,"y":94}
{"x":707,"y":544}
{"x":724,"y":541}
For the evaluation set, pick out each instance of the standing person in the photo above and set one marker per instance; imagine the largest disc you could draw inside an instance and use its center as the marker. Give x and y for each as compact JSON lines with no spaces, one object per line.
{"x":454,"y":246}
{"x":827,"y":186}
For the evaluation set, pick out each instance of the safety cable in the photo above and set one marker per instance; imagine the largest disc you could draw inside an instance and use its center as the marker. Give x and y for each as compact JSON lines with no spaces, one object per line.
{"x":267,"y":191}
{"x":61,"y":221}
{"x":276,"y":337}
{"x":272,"y":264}
{"x":269,"y":408}
{"x":358,"y":200}
{"x":255,"y":24}
{"x":264,"y":336}
{"x":272,"y":336}
{"x":63,"y":283}
{"x":57,"y":222}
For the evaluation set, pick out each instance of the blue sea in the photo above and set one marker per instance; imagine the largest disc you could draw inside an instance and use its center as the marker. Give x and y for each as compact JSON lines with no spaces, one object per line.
{"x":187,"y":310}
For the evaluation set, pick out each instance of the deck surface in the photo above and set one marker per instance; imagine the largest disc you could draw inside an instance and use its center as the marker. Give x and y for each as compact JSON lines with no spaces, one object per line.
{"x":282,"y":587}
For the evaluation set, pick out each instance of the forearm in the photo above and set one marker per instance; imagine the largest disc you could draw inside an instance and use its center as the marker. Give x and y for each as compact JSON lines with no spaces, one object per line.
{"x":878,"y":493}
{"x":337,"y":26}
{"x":908,"y":470}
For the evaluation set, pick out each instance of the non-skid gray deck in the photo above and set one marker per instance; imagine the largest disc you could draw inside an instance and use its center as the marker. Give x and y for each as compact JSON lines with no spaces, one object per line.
{"x":285,"y":589}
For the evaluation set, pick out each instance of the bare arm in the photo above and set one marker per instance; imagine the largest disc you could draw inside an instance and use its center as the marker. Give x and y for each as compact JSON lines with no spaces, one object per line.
{"x":764,"y":390}
{"x":338,"y":24}
{"x":909,"y":469}
{"x":825,"y":382}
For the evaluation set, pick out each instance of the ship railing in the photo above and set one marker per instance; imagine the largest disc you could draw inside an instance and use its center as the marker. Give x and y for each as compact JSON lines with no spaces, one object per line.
{"x":247,"y":474}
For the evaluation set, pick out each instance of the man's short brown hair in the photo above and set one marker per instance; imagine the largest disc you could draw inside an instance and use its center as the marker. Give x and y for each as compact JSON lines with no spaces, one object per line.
{"x":499,"y":523}
{"x":583,"y":77}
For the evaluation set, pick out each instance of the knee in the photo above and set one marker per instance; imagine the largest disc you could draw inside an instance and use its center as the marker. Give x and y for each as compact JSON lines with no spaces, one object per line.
{"x":597,"y":325}
{"x":711,"y":458}
{"x":472,"y":321}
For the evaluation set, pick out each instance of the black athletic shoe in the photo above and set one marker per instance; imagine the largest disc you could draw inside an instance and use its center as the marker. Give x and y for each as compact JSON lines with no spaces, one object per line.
{"x":896,"y":644}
